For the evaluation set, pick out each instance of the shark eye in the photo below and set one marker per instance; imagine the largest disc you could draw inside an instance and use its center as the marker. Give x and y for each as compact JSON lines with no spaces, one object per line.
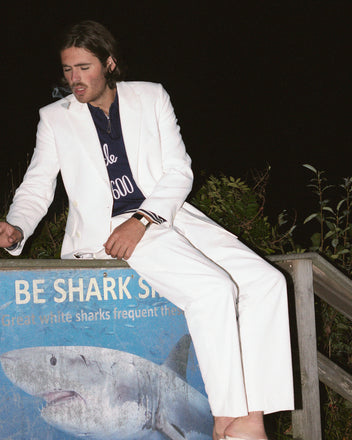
{"x":53,"y":360}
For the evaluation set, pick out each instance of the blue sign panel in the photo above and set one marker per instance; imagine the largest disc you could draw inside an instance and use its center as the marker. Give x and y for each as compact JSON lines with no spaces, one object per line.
{"x":96,"y":354}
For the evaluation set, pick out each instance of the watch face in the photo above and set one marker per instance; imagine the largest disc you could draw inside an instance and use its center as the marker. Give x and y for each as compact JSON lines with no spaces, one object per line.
{"x":144,"y":221}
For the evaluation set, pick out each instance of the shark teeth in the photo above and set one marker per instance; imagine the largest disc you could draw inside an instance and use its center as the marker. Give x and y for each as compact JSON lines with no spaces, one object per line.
{"x":60,"y":397}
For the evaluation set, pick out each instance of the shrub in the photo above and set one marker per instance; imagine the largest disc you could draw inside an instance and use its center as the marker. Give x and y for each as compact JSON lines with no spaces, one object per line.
{"x":239,"y":208}
{"x":333,"y":240}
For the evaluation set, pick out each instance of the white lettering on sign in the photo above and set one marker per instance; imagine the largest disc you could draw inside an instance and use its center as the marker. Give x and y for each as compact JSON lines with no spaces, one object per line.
{"x":146,"y":289}
{"x":78,"y":289}
{"x":7,"y":320}
{"x":109,"y":286}
{"x":23,"y":295}
{"x":123,"y":288}
{"x":73,"y":289}
{"x":37,"y":290}
{"x":93,"y":290}
{"x":60,"y":290}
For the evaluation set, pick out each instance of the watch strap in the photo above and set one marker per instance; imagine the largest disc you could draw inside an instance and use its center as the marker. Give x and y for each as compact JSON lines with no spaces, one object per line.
{"x":145,"y":222}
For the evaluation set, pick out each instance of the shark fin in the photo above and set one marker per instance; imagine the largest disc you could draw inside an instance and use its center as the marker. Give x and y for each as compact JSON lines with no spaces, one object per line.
{"x":178,"y":357}
{"x":170,"y":431}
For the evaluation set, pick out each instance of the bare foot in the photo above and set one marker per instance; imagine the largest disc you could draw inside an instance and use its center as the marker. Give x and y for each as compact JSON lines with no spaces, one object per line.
{"x":220,"y":424}
{"x":250,"y":427}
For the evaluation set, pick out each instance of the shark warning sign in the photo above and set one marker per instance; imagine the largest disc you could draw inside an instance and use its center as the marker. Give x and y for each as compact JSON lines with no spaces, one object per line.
{"x":95,"y":353}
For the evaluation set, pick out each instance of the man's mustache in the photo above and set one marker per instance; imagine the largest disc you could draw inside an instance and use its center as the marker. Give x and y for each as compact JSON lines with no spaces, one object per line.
{"x":78,"y":84}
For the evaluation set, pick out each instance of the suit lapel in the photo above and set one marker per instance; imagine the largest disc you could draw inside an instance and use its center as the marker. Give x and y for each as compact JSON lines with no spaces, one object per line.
{"x":83,"y":128}
{"x":86,"y":135}
{"x":130,"y":115}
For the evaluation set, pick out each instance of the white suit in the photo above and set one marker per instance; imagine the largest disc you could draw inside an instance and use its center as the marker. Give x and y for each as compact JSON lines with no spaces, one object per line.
{"x":245,"y":363}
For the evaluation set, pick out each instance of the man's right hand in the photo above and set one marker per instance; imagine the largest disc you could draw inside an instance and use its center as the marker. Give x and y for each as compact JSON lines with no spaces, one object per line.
{"x":8,"y":235}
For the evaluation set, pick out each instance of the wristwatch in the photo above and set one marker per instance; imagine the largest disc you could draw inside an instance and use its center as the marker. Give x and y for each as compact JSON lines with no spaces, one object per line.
{"x":142,"y":219}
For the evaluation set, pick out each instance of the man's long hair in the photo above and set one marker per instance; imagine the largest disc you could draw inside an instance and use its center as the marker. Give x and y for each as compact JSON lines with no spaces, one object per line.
{"x":94,"y":37}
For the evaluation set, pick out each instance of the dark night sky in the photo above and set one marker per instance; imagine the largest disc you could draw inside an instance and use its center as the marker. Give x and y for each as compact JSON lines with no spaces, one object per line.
{"x":251,"y":82}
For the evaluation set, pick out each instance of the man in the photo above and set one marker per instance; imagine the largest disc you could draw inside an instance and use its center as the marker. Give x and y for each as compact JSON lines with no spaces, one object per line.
{"x":127,"y":175}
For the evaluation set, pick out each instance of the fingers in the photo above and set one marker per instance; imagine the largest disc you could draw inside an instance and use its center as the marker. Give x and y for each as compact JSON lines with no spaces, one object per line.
{"x":8,"y":235}
{"x":118,"y":249}
{"x":115,"y":247}
{"x":121,"y":252}
{"x":124,"y":239}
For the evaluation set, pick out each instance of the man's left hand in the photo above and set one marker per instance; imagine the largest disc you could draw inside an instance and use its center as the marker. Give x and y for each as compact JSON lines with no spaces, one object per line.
{"x":124,"y":239}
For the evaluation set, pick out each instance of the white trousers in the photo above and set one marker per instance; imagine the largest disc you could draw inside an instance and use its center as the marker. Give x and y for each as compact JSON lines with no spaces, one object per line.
{"x":235,"y":304}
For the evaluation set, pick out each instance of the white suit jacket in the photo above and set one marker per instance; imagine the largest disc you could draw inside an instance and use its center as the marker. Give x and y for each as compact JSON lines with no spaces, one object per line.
{"x":67,"y":141}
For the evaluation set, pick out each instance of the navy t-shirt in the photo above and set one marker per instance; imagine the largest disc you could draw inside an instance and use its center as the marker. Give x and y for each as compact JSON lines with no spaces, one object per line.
{"x":127,"y":196}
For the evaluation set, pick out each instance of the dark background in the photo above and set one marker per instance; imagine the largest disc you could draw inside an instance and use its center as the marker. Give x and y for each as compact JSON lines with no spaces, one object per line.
{"x":252,"y":83}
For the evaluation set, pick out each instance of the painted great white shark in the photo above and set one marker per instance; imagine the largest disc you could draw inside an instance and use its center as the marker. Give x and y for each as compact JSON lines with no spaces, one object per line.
{"x":105,"y":394}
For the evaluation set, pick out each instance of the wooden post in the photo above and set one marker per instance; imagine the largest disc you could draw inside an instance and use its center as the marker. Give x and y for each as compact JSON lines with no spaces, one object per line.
{"x":306,"y":420}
